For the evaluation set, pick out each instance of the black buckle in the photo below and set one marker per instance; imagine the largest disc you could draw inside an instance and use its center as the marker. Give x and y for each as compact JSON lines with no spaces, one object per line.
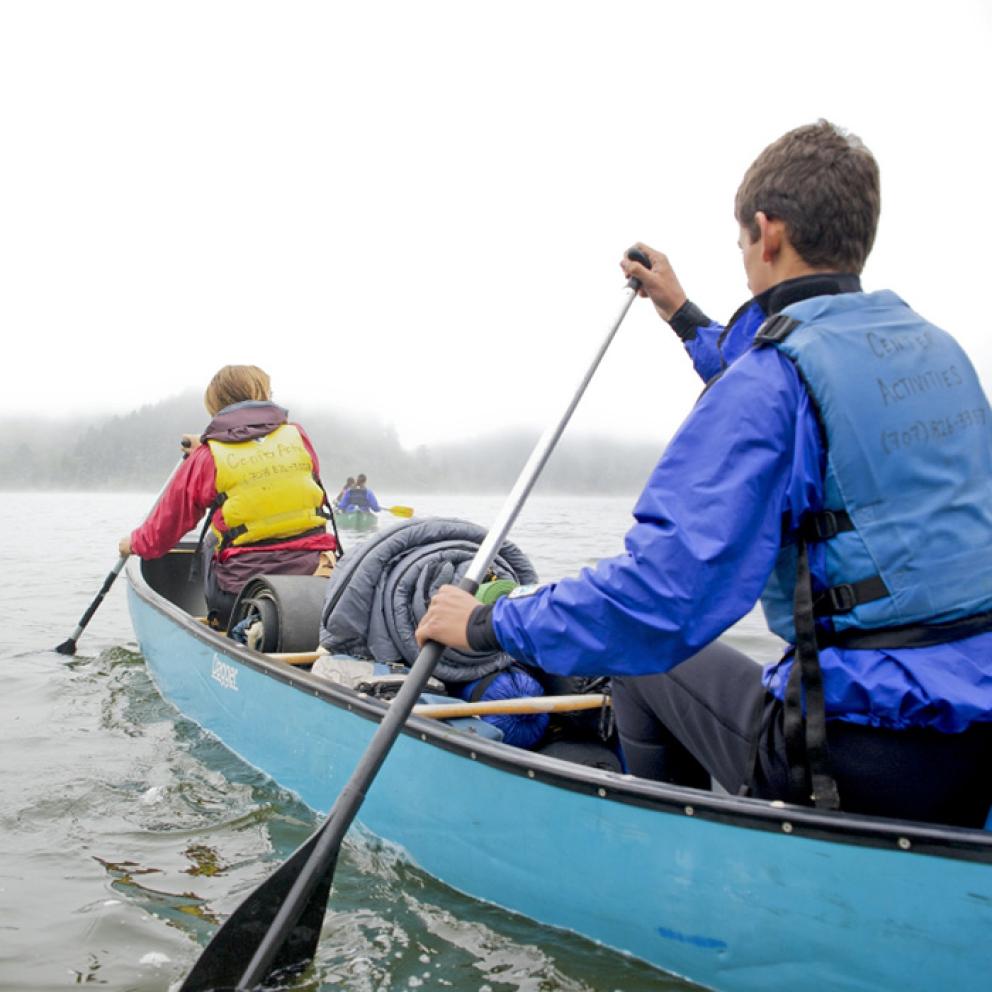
{"x":825,"y":525}
{"x":842,"y":598}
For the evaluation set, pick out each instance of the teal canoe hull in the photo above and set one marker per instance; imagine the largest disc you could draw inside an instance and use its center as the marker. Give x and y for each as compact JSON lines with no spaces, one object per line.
{"x":357,"y":520}
{"x":735,"y":894}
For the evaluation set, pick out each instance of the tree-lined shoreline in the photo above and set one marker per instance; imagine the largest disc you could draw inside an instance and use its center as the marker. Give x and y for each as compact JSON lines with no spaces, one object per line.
{"x":135,"y":452}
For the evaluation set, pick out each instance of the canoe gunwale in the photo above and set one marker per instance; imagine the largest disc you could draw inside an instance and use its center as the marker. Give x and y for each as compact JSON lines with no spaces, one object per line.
{"x":960,"y":844}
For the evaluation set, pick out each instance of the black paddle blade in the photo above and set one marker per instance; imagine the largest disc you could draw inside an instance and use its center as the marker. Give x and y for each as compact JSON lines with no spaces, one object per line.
{"x":67,"y":647}
{"x":225,"y":958}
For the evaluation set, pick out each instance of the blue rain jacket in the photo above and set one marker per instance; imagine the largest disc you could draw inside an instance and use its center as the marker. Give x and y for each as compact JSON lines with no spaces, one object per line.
{"x":712,"y":347}
{"x":706,"y":534}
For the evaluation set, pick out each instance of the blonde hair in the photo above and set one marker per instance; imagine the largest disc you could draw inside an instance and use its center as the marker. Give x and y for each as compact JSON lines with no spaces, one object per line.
{"x":234,"y":384}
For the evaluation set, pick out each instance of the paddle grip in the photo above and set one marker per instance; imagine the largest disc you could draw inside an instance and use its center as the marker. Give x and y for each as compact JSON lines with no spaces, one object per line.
{"x":636,"y":255}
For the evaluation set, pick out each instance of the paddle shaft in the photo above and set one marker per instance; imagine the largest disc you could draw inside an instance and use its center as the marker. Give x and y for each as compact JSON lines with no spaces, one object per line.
{"x":69,"y":646}
{"x":330,"y":834}
{"x":94,"y":606}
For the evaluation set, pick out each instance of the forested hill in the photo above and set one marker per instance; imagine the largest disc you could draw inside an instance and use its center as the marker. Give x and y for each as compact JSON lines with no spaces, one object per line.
{"x":138,"y":450}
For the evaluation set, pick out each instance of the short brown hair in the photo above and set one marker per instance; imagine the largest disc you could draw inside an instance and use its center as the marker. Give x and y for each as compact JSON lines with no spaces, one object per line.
{"x":234,"y":384}
{"x":824,"y":184}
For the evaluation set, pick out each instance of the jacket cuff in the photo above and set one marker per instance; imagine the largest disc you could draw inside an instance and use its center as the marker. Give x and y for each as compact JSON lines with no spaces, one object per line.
{"x":480,"y":633}
{"x":686,"y":319}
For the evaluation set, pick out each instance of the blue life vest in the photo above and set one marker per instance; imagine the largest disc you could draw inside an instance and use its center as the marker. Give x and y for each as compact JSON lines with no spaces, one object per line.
{"x":358,"y":498}
{"x":905,"y":538}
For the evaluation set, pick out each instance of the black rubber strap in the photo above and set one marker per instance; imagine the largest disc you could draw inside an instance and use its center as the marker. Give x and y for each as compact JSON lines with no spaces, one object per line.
{"x":810,"y":682}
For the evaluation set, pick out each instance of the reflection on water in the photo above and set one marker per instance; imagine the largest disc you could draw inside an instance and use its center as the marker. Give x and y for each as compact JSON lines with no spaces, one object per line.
{"x":128,"y":832}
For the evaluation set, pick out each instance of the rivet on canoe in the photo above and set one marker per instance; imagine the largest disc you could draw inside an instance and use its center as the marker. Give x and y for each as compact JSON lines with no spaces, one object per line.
{"x":787,"y":827}
{"x":471,"y":754}
{"x":530,"y":772}
{"x":904,"y":843}
{"x":423,"y":737}
{"x":689,"y":811}
{"x":602,"y":793}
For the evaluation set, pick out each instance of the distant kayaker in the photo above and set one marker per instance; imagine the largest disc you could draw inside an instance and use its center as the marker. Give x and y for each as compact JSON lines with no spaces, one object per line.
{"x":256,"y":476}
{"x":840,"y":434}
{"x":359,"y":498}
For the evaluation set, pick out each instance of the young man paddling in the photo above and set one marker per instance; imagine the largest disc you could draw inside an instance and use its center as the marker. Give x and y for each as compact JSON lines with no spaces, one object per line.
{"x":838,"y":466}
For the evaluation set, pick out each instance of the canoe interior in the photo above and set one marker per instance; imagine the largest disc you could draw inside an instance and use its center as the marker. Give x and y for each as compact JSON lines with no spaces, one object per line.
{"x":169,"y":577}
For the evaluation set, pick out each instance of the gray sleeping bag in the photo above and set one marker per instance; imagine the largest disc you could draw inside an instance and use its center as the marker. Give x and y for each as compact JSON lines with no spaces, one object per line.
{"x":378,"y":593}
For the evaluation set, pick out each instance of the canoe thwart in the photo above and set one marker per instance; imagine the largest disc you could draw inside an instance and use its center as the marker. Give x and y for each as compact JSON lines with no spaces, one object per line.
{"x":294,"y":657}
{"x":522,"y":704}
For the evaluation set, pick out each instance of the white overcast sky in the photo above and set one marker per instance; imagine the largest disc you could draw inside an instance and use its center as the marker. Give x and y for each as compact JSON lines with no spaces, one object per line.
{"x":415,"y":209}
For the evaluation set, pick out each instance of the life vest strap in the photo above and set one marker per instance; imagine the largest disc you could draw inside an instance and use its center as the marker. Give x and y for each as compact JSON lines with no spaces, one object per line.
{"x":230,"y":535}
{"x":195,"y":565}
{"x":845,"y":597}
{"x":806,"y":737}
{"x":824,"y":525}
{"x":236,"y":532}
{"x":775,"y":329}
{"x":916,"y":635}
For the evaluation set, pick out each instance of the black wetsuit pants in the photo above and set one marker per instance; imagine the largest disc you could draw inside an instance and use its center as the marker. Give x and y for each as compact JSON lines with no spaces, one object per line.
{"x":700,"y":719}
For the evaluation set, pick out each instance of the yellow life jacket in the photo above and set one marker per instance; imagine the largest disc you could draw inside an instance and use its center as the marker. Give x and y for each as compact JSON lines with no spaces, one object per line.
{"x":266,"y":489}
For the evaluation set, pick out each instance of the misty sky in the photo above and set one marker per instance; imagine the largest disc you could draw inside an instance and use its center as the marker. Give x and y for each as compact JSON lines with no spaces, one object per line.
{"x":416,"y":209}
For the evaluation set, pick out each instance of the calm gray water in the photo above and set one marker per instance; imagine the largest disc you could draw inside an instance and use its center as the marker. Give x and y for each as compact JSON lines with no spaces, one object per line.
{"x":126,"y":831}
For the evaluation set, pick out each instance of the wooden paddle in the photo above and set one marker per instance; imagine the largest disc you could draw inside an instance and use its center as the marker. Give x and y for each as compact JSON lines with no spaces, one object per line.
{"x":520,"y":705}
{"x":69,"y":646}
{"x":277,"y":927}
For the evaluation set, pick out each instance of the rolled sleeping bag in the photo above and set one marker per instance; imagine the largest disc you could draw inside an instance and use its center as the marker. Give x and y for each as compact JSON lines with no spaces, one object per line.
{"x":519,"y":729}
{"x":379,"y":592}
{"x":287,"y":607}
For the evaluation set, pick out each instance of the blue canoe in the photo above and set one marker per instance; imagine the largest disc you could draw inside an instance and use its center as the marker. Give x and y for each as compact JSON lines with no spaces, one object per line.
{"x":734,"y":894}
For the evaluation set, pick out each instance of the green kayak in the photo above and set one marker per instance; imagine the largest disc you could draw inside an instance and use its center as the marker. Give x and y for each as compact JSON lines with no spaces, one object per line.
{"x":357,"y":520}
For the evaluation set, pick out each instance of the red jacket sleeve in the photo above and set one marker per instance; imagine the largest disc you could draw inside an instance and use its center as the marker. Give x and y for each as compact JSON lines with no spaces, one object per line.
{"x":192,"y":490}
{"x":308,"y":444}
